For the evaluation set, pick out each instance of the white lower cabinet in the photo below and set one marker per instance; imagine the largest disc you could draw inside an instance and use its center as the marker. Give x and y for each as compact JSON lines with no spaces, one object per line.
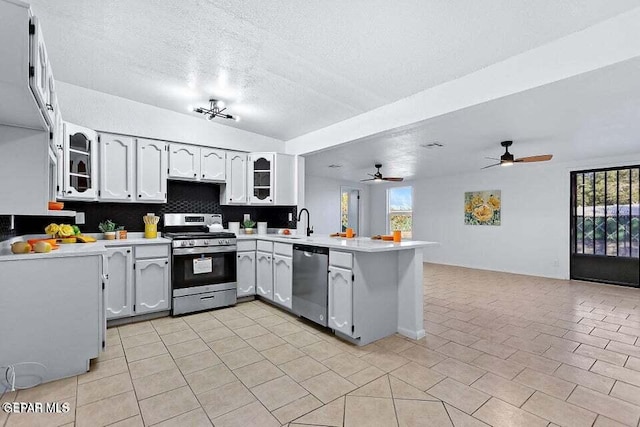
{"x":264,"y":274}
{"x":282,"y":280}
{"x":341,"y":300}
{"x":120,"y":283}
{"x":137,"y":285}
{"x":152,"y":290}
{"x":246,"y":273}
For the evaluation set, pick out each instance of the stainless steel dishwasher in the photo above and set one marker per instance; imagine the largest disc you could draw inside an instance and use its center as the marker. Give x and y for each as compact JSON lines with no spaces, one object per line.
{"x":310,"y":282}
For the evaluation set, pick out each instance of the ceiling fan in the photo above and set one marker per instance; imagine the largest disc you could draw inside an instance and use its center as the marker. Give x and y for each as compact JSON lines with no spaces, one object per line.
{"x":507,"y":158}
{"x":377,"y":177}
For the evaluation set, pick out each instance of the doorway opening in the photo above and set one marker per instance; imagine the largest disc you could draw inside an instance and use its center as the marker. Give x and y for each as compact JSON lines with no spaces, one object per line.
{"x":350,"y":209}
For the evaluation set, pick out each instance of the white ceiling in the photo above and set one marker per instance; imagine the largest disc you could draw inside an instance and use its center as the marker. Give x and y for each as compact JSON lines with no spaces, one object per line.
{"x":289,"y":67}
{"x":593,"y":115}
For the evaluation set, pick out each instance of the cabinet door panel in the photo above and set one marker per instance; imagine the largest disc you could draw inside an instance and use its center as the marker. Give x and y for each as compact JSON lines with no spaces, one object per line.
{"x":261,"y":174}
{"x":264,"y":275}
{"x":152,"y":285}
{"x":151,"y":170}
{"x":340,"y":300}
{"x":80,"y":162}
{"x":120,"y":284}
{"x":236,"y":181}
{"x":246,"y":268}
{"x":282,"y":280}
{"x":184,"y":161}
{"x":116,"y":168}
{"x":212,"y":164}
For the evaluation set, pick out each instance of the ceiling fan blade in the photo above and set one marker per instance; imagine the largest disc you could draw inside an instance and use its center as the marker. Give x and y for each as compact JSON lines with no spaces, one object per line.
{"x":530,"y":159}
{"x":393,"y":179}
{"x":364,"y":180}
{"x":490,"y":166}
{"x":492,"y":158}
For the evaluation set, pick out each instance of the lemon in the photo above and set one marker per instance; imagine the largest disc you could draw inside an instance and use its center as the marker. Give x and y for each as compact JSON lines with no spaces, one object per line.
{"x":21,"y":248}
{"x":42,"y":247}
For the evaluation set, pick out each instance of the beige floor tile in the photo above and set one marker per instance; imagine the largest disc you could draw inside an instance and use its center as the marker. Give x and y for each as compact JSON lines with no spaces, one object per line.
{"x":602,"y":421}
{"x":51,"y":391}
{"x":209,"y":378}
{"x":533,"y":361}
{"x":584,"y":378}
{"x":278,"y":392}
{"x":633,"y":363}
{"x":611,"y":407}
{"x":101,"y":389}
{"x":402,"y":390}
{"x":197,"y":362}
{"x":282,"y":354}
{"x":271,"y":320}
{"x":568,"y":358}
{"x":264,"y":342}
{"x":135,"y":329}
{"x":258,"y":373}
{"x":376,"y":388}
{"x":107,"y":411}
{"x":601,"y":354}
{"x":186,"y":348}
{"x":556,"y":342}
{"x":331,"y":414}
{"x":614,"y":336}
{"x":111,"y":352}
{"x":394,"y":343}
{"x":297,"y":408}
{"x":145,"y":351}
{"x":179,"y":336}
{"x":216,"y":334}
{"x":301,"y":339}
{"x":586,"y":339}
{"x":192,"y":319}
{"x":418,"y":376}
{"x":158,"y":383}
{"x":501,"y":414}
{"x":345,"y":364}
{"x":241,"y":357}
{"x":459,"y":395}
{"x":303,"y":368}
{"x":369,"y":411}
{"x":459,"y":337}
{"x":460,"y":419}
{"x":365,"y":376}
{"x":460,"y":352}
{"x":505,"y":368}
{"x":152,"y":365}
{"x":170,"y":328}
{"x":423,"y":356}
{"x":195,"y":418}
{"x":328,"y":386}
{"x":526,"y":345}
{"x":491,"y":335}
{"x":631,"y":350}
{"x":168,"y":405}
{"x":616,"y":372}
{"x":104,"y":369}
{"x":135,"y":421}
{"x":140,"y":339}
{"x":627,"y":392}
{"x":238,"y":323}
{"x":509,"y":391}
{"x":225,"y":398}
{"x":558,"y":411}
{"x":251,"y":331}
{"x":284,"y":329}
{"x":386,"y":361}
{"x":321,"y":350}
{"x":575,"y":327}
{"x":548,"y":384}
{"x":432,"y":341}
{"x":206,"y":325}
{"x":495,"y":349}
{"x":252,"y":415}
{"x":415,"y":412}
{"x":459,"y":371}
{"x":228,"y":344}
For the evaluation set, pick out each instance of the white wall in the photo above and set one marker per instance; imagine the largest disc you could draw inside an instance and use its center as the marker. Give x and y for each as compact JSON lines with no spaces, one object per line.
{"x":109,"y":113}
{"x":322,"y":198}
{"x":534,"y":235}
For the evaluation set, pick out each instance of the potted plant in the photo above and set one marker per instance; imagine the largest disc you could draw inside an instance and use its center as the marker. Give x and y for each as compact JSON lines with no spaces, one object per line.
{"x":108,"y":227}
{"x":248,"y":226}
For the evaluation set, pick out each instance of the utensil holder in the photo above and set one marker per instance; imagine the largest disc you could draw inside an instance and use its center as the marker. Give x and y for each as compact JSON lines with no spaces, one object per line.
{"x":150,"y":231}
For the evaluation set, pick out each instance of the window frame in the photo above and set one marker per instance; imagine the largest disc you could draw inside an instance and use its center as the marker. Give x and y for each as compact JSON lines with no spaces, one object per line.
{"x":387,"y":207}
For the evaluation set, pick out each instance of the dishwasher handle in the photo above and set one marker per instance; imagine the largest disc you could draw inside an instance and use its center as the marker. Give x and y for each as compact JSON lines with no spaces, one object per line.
{"x":311,"y":250}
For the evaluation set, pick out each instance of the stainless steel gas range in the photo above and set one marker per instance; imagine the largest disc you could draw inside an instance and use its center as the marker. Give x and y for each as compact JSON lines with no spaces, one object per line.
{"x":203,"y":263}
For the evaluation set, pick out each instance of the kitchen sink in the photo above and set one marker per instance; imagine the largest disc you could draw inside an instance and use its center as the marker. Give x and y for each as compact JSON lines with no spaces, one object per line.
{"x":284,"y":236}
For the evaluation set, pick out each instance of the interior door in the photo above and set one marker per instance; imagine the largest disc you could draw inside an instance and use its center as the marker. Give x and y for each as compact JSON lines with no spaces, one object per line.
{"x":605,"y":225}
{"x":349,"y":209}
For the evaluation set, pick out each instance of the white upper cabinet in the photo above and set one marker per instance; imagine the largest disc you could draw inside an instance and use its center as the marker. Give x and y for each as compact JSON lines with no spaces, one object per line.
{"x":212,"y":164}
{"x":261,"y":178}
{"x":39,"y":71}
{"x":235,"y":190}
{"x":116,"y":168}
{"x":151,"y":171}
{"x":184,"y":161}
{"x":80,"y":154}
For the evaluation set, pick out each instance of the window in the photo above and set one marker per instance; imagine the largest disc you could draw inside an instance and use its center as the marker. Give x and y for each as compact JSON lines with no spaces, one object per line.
{"x":400,"y":210}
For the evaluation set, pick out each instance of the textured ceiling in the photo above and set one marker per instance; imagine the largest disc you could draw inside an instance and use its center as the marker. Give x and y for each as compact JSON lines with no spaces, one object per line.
{"x":593,"y":115}
{"x":291,"y":67}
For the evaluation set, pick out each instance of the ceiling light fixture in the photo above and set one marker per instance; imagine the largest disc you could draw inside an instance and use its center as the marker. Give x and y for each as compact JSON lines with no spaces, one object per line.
{"x":216,"y":109}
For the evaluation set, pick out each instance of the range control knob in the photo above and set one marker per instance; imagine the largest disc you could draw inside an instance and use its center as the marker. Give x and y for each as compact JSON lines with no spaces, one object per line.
{"x":223,"y":241}
{"x":192,"y":243}
{"x":184,"y":243}
{"x":205,"y":243}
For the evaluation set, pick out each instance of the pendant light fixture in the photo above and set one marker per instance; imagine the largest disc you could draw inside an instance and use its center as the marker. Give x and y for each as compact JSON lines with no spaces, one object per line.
{"x":216,"y":109}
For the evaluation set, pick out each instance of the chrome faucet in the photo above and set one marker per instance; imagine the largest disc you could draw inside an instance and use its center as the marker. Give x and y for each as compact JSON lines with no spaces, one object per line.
{"x":309,"y":229}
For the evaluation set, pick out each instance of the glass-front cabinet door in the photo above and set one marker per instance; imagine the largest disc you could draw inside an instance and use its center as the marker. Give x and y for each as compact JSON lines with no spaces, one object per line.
{"x":80,"y":152}
{"x":261,"y":178}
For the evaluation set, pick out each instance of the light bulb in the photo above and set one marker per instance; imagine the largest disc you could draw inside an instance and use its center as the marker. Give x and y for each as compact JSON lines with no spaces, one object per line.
{"x":506,"y":164}
{"x":236,"y":118}
{"x":220,"y":104}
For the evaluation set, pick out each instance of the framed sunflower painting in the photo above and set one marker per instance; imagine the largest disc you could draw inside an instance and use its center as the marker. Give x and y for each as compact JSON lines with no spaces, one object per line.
{"x":482,"y":207}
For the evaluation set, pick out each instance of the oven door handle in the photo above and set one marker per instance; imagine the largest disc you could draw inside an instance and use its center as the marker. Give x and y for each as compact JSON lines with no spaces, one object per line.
{"x":207,"y":250}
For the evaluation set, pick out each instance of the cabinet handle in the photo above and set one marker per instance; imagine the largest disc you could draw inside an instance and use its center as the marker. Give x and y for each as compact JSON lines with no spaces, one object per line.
{"x":49,"y":107}
{"x":195,"y":175}
{"x":231,"y":200}
{"x":166,"y":262}
{"x":139,"y":195}
{"x":69,"y":192}
{"x":128,"y":251}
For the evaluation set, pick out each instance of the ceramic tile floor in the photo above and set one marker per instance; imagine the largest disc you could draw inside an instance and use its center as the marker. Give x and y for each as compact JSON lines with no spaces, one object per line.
{"x":501,"y":349}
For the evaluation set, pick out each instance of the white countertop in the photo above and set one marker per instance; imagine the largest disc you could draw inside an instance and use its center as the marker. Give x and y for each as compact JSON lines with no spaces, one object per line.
{"x":77,"y":249}
{"x":357,"y":244}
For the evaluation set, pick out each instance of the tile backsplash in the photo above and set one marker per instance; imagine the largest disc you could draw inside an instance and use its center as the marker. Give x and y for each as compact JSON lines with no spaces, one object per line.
{"x":181,"y":197}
